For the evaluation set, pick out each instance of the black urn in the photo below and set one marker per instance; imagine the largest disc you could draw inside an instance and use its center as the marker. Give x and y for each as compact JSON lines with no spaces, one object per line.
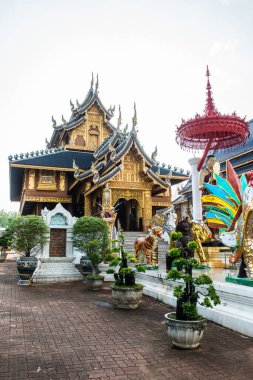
{"x":86,"y":265}
{"x":26,"y":266}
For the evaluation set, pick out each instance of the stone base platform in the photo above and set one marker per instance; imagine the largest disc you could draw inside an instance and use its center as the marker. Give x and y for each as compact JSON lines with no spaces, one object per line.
{"x":234,"y":312}
{"x":56,"y":269}
{"x":240,"y":281}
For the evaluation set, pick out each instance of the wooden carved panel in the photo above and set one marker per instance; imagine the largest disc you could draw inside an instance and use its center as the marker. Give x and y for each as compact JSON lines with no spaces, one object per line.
{"x":57,"y":242}
{"x":31,"y":181}
{"x":127,"y":194}
{"x":47,"y":180}
{"x":62,"y":181}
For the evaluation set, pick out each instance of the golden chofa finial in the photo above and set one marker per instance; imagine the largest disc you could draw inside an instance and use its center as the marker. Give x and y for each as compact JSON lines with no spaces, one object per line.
{"x":135,"y":116}
{"x":119,"y":118}
{"x":97,"y":83}
{"x":125,"y":129}
{"x":92,"y":80}
{"x":53,"y":121}
{"x":72,"y":105}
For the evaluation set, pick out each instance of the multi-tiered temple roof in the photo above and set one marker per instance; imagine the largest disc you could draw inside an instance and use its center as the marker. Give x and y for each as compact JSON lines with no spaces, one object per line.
{"x":91,"y":151}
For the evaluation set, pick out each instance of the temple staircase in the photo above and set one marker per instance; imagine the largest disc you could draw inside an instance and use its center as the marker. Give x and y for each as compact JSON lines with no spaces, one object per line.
{"x":130,"y":237}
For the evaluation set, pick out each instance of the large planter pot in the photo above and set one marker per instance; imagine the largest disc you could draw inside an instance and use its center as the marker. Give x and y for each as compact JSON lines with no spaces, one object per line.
{"x":2,"y":257}
{"x":95,"y":284}
{"x":103,"y":267}
{"x":127,"y":298}
{"x":185,"y":334}
{"x":26,"y":266}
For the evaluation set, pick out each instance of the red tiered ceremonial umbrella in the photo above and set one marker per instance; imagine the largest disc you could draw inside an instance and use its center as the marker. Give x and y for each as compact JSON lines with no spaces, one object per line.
{"x":211,"y":131}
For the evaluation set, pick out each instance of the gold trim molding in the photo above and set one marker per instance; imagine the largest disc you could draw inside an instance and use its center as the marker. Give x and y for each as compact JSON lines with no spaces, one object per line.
{"x":41,"y":167}
{"x":47,"y":199}
{"x":127,"y":194}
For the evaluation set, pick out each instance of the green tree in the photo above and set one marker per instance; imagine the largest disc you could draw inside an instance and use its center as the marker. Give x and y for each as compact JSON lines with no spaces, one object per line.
{"x":25,"y":232}
{"x":91,"y":235}
{"x":6,"y":217}
{"x":186,"y":294}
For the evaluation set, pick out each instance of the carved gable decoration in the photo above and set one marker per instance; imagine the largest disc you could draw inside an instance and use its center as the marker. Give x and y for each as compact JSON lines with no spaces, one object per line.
{"x":58,"y":220}
{"x":93,"y":130}
{"x":132,"y":171}
{"x":59,"y":216}
{"x":95,"y":109}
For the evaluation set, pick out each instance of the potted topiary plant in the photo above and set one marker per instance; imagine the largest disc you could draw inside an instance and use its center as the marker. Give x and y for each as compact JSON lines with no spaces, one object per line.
{"x":23,"y":234}
{"x":125,"y":292}
{"x":90,"y":234}
{"x":3,"y":246}
{"x":186,"y":326}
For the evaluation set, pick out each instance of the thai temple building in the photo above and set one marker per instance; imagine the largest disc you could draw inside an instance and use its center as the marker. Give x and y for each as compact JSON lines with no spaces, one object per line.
{"x":240,"y":157}
{"x":83,"y":155}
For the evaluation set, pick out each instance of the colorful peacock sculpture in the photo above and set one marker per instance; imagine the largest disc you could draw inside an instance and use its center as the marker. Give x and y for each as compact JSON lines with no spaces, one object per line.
{"x":229,"y":208}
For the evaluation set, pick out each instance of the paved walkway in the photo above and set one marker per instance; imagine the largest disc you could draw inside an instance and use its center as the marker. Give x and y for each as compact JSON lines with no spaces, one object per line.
{"x":60,"y":332}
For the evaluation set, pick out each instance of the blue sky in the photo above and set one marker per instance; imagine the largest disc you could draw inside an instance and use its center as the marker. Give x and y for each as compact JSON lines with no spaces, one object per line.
{"x":151,"y":52}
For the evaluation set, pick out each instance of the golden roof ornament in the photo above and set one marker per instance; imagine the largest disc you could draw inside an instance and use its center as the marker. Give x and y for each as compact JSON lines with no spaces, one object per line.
{"x":54,"y":121}
{"x":92,"y":80}
{"x":154,"y":155}
{"x":135,"y":116}
{"x":77,"y":170}
{"x":72,"y":105}
{"x":119,"y":118}
{"x":107,"y":195}
{"x":47,"y":142}
{"x":97,"y":84}
{"x":125,"y":129}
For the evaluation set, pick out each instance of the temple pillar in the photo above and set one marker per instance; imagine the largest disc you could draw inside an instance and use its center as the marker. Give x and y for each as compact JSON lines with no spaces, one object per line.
{"x":87,"y":205}
{"x":87,"y":200}
{"x":196,"y":193}
{"x":139,"y":213}
{"x":147,"y":213}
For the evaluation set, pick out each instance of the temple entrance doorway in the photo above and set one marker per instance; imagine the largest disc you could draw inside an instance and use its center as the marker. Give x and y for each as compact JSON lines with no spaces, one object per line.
{"x":127,"y":215}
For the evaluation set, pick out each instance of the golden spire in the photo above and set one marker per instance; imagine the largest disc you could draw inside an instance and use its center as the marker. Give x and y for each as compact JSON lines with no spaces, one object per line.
{"x":119,"y":118}
{"x":135,"y":116}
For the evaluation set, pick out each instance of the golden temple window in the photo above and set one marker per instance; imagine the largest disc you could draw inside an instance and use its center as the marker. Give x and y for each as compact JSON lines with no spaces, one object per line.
{"x":47,"y":180}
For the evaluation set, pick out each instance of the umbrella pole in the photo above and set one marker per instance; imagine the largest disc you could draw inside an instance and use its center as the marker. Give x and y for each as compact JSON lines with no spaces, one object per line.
{"x":208,"y":146}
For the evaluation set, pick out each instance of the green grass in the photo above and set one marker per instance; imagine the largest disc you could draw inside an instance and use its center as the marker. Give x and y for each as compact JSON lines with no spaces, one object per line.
{"x":134,"y":287}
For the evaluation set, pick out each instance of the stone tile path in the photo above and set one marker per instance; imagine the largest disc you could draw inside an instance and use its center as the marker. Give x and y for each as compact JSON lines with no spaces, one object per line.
{"x":60,"y":332}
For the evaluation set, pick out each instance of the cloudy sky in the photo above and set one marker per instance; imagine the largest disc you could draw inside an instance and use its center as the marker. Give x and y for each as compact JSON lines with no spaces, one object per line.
{"x":153,"y":52}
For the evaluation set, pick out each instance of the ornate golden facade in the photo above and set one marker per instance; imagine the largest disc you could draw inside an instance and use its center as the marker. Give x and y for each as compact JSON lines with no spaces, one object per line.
{"x":82,"y":156}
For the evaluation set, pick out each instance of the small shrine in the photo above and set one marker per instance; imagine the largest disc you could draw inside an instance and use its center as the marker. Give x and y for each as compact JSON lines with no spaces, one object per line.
{"x":56,"y":260}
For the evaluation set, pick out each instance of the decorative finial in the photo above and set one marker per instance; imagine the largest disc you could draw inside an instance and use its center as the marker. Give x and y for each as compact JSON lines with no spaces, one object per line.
{"x":77,"y":170}
{"x":210,"y":109}
{"x":78,"y":104}
{"x":107,"y":196}
{"x":72,"y":105}
{"x":154,"y":155}
{"x":119,"y":118}
{"x":92,"y":80}
{"x":135,"y":116}
{"x":113,"y":109}
{"x":47,"y":142}
{"x":63,"y":120}
{"x":97,"y":83}
{"x":125,"y":129}
{"x":54,"y":121}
